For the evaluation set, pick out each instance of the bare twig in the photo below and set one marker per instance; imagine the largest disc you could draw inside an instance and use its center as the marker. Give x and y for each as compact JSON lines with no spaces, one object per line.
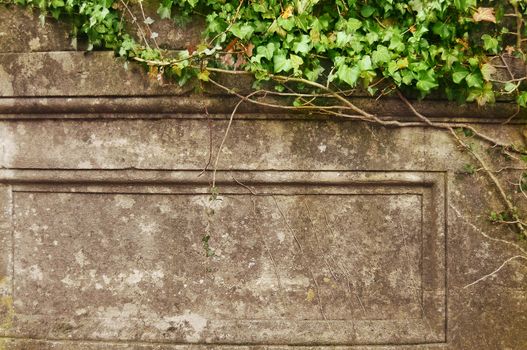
{"x":147,"y":25}
{"x":134,"y":20}
{"x":497,"y":171}
{"x":497,"y":270}
{"x":301,"y":249}
{"x":245,"y":186}
{"x":484,"y":234}
{"x":519,"y":25}
{"x":222,"y":142}
{"x":521,"y":184}
{"x":210,"y":143}
{"x":509,"y":119}
{"x":362,"y":115}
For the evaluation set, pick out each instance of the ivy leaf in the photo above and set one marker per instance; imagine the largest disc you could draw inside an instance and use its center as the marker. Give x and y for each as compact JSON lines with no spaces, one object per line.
{"x":463,"y":5}
{"x":509,"y":87}
{"x":127,"y":46}
{"x":381,"y":55}
{"x":204,"y":75}
{"x":242,"y":31}
{"x":407,"y":77}
{"x":165,"y":9}
{"x":342,"y":39}
{"x":288,"y":12}
{"x":286,"y":24}
{"x":313,"y":74}
{"x":265,"y":52}
{"x":281,"y":63}
{"x":303,"y":5}
{"x":482,"y":95}
{"x":348,"y":74}
{"x":302,"y":46}
{"x":426,"y":81}
{"x":372,"y":37}
{"x":442,"y":29}
{"x":490,"y":43}
{"x":474,"y":80}
{"x":522,"y":99}
{"x":402,"y":63}
{"x":459,"y":74}
{"x":367,"y":11}
{"x":365,"y":63}
{"x":488,"y":70}
{"x":353,"y":24}
{"x":296,"y":61}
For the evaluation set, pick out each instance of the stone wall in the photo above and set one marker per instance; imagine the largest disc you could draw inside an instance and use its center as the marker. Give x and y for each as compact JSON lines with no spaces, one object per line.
{"x":326,"y":232}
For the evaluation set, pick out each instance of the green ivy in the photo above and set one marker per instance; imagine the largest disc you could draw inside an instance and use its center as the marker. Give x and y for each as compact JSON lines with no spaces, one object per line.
{"x":422,"y":45}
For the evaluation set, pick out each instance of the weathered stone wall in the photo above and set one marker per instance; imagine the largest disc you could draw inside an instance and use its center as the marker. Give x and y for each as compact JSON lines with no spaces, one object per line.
{"x":326,"y":232}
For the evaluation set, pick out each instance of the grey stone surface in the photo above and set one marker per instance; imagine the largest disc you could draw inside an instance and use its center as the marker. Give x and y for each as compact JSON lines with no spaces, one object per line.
{"x":282,"y":270}
{"x":287,"y":268}
{"x":22,"y":31}
{"x":325,"y":233}
{"x":106,"y":219}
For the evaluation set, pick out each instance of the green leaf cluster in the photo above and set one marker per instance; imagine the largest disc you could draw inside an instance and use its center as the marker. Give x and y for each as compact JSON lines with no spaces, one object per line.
{"x":98,"y":20}
{"x":421,"y":45}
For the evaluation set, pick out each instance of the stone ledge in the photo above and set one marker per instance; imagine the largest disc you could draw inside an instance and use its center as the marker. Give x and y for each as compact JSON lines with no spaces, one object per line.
{"x":87,"y":83}
{"x":194,"y":106}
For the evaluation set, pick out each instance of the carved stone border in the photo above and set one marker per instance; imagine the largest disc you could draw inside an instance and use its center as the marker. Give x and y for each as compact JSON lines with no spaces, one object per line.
{"x":430,"y":329}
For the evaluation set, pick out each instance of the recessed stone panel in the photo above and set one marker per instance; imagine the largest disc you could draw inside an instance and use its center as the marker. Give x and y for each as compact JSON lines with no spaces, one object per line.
{"x":328,"y":262}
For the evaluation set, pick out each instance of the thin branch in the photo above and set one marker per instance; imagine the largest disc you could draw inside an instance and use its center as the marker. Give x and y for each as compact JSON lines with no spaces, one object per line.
{"x":146,"y":24}
{"x":484,"y":166}
{"x":497,"y":171}
{"x":465,"y":126}
{"x":222,"y":142}
{"x":519,"y":25}
{"x":225,"y":138}
{"x":210,"y":143}
{"x":484,"y":234}
{"x":497,"y":270}
{"x":368,"y":116}
{"x":515,"y":80}
{"x":245,"y":186}
{"x":509,"y":119}
{"x":134,"y":20}
{"x":267,"y":104}
{"x":520,"y":185}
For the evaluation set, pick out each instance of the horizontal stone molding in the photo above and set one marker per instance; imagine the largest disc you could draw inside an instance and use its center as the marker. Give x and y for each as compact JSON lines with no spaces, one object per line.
{"x":79,"y":83}
{"x":219,"y":106}
{"x":237,"y":178}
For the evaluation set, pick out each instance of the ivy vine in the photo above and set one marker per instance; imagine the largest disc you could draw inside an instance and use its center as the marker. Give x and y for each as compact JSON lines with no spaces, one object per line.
{"x":318,"y":51}
{"x":454,"y":46}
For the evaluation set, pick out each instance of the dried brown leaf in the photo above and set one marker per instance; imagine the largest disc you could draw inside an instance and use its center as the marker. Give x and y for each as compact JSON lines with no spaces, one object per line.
{"x":288,"y":12}
{"x":249,"y":49}
{"x":484,"y":14}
